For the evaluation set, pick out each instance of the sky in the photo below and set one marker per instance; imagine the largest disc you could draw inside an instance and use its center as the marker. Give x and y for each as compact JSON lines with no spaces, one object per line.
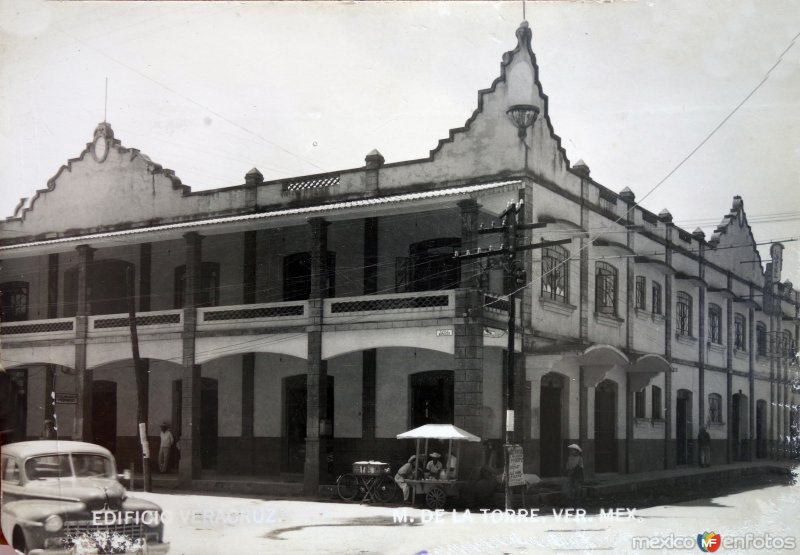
{"x":212,"y":89}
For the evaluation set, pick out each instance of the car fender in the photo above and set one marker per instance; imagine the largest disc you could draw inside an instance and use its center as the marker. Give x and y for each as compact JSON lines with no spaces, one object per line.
{"x":32,"y":512}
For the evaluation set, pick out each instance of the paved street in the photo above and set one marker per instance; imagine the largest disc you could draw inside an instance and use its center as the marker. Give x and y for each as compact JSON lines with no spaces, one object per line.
{"x":204,"y":524}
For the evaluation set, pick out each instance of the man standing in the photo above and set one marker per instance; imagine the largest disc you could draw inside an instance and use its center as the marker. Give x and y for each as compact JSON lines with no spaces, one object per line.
{"x":165,"y":449}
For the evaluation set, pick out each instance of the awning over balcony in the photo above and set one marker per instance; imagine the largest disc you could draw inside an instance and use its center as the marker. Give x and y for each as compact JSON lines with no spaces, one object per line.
{"x":321,"y":209}
{"x":646,"y":367}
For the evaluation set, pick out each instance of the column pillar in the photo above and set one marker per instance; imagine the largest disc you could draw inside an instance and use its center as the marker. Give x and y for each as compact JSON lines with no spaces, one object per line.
{"x":83,"y":411}
{"x":369,"y":357}
{"x":751,"y":389}
{"x":52,"y":285}
{"x":729,"y":451}
{"x":701,"y":335}
{"x":145,"y":271}
{"x":190,"y":383}
{"x":630,"y":296}
{"x":669,"y":447}
{"x":470,"y":269}
{"x":316,"y":466}
{"x":248,"y":409}
{"x":249,"y":267}
{"x":468,"y":374}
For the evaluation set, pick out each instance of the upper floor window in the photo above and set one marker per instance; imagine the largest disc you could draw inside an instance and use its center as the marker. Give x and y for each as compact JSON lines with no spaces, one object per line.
{"x":684,"y":314}
{"x":605,"y":290}
{"x":209,"y":285}
{"x":788,"y":344}
{"x":739,"y":333}
{"x":761,"y":339}
{"x":555,"y":274}
{"x":14,"y":296}
{"x":430,"y":266}
{"x":297,"y":276}
{"x":715,"y":408}
{"x":656,"y":304}
{"x":641,"y":296}
{"x":714,"y":323}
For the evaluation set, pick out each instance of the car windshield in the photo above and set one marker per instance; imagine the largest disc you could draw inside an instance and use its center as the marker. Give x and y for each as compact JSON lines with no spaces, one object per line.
{"x":68,"y":465}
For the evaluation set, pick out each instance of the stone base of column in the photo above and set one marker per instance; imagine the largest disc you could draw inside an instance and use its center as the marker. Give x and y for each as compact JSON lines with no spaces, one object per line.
{"x":316,"y":465}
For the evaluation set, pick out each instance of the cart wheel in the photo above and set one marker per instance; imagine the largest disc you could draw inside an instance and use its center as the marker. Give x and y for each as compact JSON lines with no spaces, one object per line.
{"x":385,"y":490}
{"x":347,"y":486}
{"x":435,"y":498}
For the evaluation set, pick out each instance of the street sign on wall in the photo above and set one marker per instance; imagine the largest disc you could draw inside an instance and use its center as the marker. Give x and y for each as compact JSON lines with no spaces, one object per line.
{"x":515,"y":474}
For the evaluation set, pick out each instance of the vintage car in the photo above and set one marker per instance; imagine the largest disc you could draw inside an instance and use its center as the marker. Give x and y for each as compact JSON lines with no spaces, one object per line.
{"x":64,"y":497}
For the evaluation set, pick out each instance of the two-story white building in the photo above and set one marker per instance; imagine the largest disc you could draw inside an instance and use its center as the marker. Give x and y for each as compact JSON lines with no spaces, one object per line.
{"x":298,"y":325}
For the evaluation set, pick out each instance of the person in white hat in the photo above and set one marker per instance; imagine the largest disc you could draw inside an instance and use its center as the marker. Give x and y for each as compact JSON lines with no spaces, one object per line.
{"x":434,"y":466}
{"x":574,"y":471}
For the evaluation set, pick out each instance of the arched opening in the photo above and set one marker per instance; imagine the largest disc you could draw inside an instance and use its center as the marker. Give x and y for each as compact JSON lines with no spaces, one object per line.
{"x":553,"y":419}
{"x":683,"y":427}
{"x":761,"y":428}
{"x":431,"y":398}
{"x":104,"y":413}
{"x":295,"y":398}
{"x":605,"y":426}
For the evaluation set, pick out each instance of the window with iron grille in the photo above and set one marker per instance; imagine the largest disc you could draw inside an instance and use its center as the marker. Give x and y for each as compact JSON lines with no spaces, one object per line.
{"x":739,"y":333}
{"x":656,"y":398}
{"x":761,"y":339}
{"x":641,"y":298}
{"x":639,"y":404}
{"x":714,"y":323}
{"x":788,"y":344}
{"x":656,"y":304}
{"x":684,"y":314}
{"x":14,"y":296}
{"x":555,"y":274}
{"x":715,"y":408}
{"x":605,"y":292}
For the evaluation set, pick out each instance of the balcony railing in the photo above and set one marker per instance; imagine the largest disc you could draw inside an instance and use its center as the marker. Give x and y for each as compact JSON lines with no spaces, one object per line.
{"x":161,"y":321}
{"x":381,"y":308}
{"x":253,"y":316}
{"x":45,"y":329}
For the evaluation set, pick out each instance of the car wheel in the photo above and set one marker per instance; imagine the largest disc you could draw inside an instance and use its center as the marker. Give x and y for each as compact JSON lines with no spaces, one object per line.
{"x":18,"y":541}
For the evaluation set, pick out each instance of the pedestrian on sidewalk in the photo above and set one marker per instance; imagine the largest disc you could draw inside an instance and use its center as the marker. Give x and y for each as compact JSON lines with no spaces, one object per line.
{"x":574,"y":472}
{"x":406,"y":472}
{"x":704,"y":443}
{"x":165,"y":448}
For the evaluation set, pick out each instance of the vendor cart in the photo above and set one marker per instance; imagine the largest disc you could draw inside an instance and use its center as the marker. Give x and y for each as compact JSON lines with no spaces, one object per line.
{"x":437,"y":489}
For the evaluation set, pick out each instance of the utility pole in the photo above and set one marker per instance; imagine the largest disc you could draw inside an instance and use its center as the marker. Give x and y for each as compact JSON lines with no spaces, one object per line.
{"x":515,"y":280}
{"x":141,"y":381}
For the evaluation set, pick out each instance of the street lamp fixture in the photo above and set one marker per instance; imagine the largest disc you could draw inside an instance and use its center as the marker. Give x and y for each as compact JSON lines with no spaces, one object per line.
{"x":522,"y":116}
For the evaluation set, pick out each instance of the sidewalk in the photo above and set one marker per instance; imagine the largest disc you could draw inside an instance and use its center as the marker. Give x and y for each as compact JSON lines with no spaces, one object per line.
{"x":599,"y":489}
{"x":670,"y":483}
